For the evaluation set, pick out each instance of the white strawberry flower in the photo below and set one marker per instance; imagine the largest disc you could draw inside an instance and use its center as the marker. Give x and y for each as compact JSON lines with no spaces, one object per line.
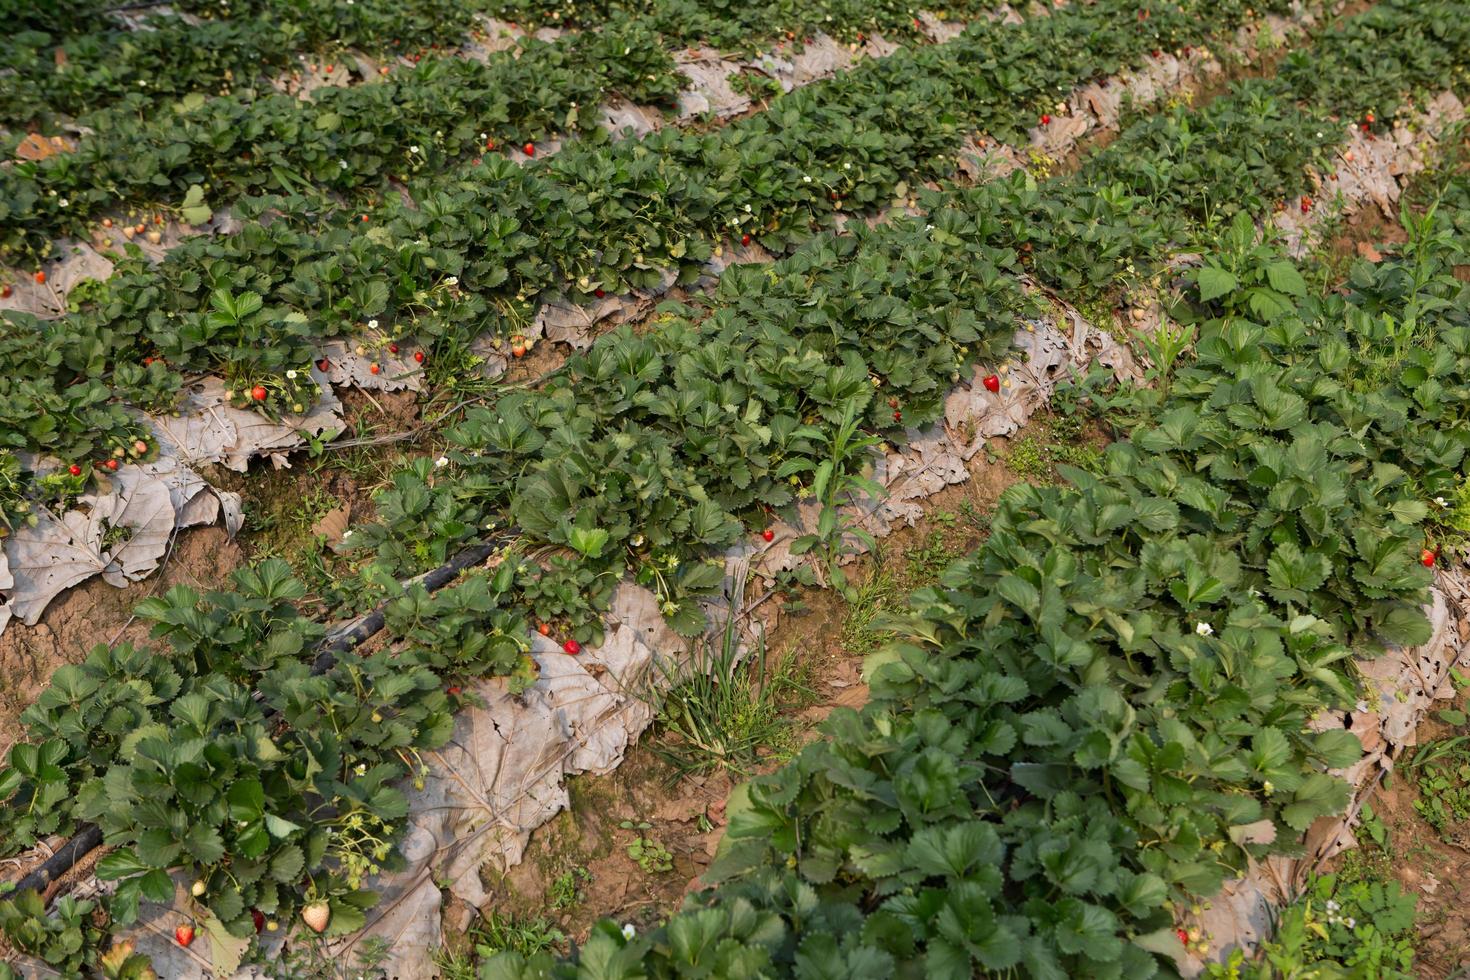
{"x":628,"y":931}
{"x":372,"y":324}
{"x":413,"y":149}
{"x":1204,"y":629}
{"x":441,"y":462}
{"x":291,"y":375}
{"x":452,"y":281}
{"x":1442,"y":502}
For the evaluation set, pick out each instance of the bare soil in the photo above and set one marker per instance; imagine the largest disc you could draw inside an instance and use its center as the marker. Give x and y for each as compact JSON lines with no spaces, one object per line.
{"x":281,"y":507}
{"x":95,"y":612}
{"x":1433,"y":867}
{"x":587,"y":846}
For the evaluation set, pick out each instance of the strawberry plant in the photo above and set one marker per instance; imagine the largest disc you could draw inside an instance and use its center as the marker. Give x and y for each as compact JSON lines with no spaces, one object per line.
{"x":473,"y":224}
{"x":1098,"y":713}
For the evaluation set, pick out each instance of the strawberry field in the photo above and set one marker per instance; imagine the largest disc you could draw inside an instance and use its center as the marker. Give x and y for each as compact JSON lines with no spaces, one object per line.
{"x":997,"y":474}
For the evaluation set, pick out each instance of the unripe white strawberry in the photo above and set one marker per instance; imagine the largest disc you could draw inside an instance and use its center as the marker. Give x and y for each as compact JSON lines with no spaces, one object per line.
{"x":316,"y":916}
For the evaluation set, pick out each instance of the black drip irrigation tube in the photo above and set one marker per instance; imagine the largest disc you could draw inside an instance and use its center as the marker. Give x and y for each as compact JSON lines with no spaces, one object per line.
{"x":88,"y":837}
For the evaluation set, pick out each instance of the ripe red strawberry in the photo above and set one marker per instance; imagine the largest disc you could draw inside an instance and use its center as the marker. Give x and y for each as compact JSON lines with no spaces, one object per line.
{"x":744,"y":239}
{"x":324,"y":365}
{"x":74,"y":470}
{"x":991,"y":382}
{"x":489,"y":145}
{"x":529,"y":149}
{"x":897,"y":415}
{"x":452,"y":690}
{"x":572,"y":647}
{"x":544,"y":629}
{"x":418,"y":355}
{"x":258,"y":393}
{"x":1365,"y":127}
{"x":41,"y":277}
{"x":363,"y":219}
{"x":184,"y":934}
{"x":1045,"y":120}
{"x":258,"y":917}
{"x":1306,"y":204}
{"x":111,"y":464}
{"x":1368,"y":118}
{"x":768,"y":535}
{"x":598,"y":293}
{"x":1183,"y":936}
{"x":5,"y":291}
{"x":1426,"y":558}
{"x":393,"y":348}
{"x":373,"y":368}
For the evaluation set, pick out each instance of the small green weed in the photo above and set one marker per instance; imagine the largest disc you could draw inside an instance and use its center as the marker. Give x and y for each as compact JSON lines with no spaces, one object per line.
{"x":1054,"y":442}
{"x":719,"y":711}
{"x":566,"y":890}
{"x":1339,"y":928}
{"x":651,"y":856}
{"x":869,"y":600}
{"x":313,"y":961}
{"x":1442,"y":771}
{"x":497,"y":934}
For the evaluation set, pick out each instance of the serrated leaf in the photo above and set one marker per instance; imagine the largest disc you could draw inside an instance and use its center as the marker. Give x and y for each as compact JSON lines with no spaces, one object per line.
{"x":1214,"y":283}
{"x":287,"y":863}
{"x":1284,"y":278}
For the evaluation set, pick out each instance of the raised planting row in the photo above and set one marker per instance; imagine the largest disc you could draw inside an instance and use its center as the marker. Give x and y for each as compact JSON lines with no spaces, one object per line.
{"x":734,"y":26}
{"x":246,"y":46}
{"x":61,"y":73}
{"x":1104,"y":711}
{"x":486,"y":244}
{"x":639,"y":461}
{"x":350,"y":140}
